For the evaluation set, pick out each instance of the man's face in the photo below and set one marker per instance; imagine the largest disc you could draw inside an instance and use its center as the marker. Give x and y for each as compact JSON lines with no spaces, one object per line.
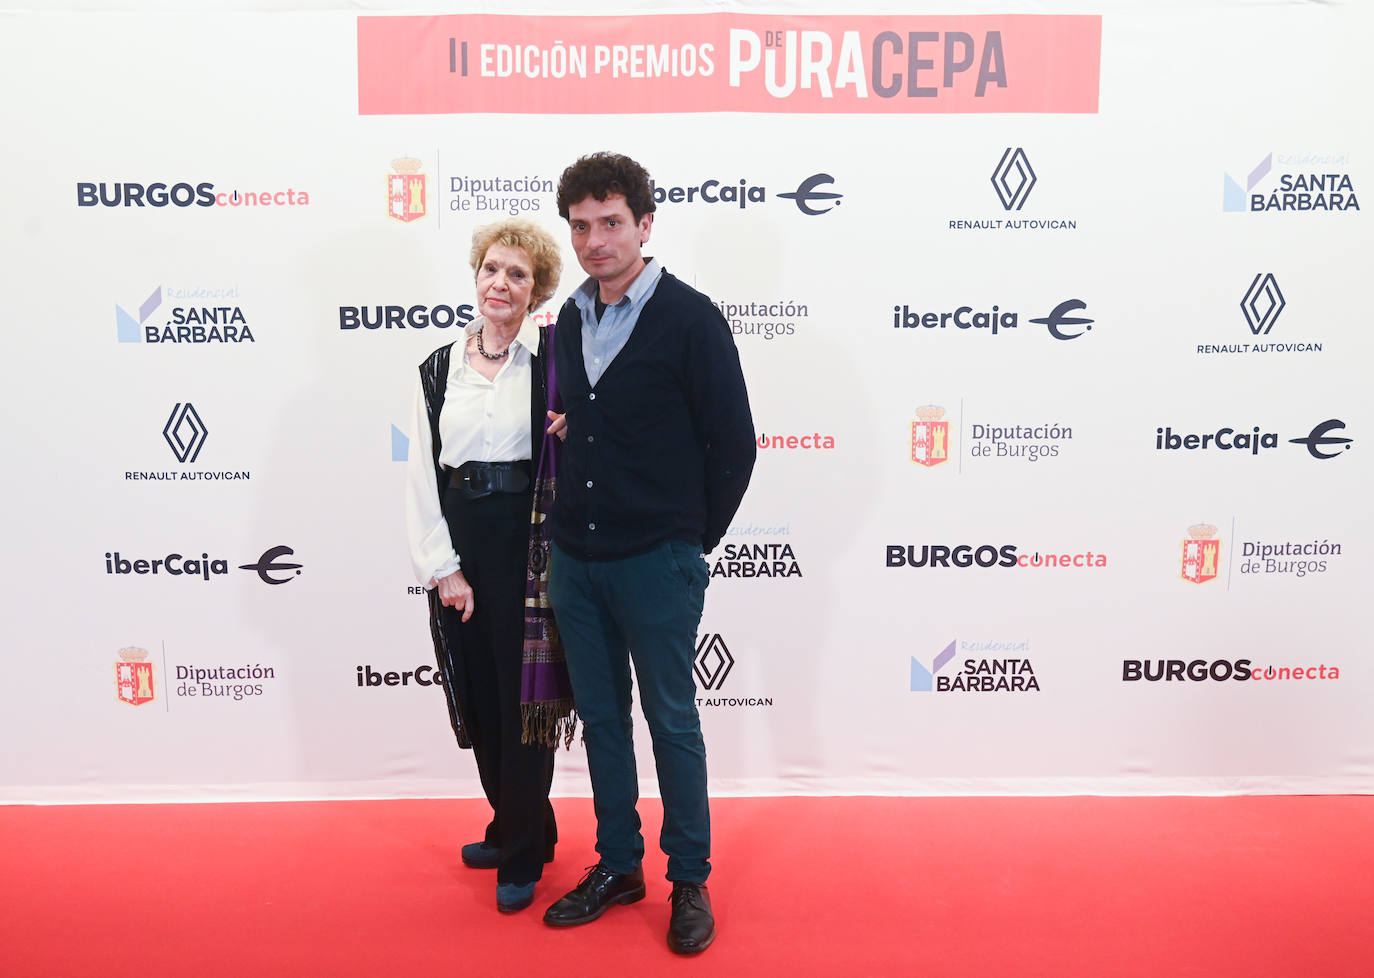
{"x":608,"y":239}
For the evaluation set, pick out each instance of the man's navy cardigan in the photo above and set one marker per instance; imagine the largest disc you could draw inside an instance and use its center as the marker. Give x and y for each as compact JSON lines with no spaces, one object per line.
{"x":662,"y":447}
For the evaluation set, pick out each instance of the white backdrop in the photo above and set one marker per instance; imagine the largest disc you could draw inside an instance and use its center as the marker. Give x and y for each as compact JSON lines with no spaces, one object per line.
{"x":1139,"y":210}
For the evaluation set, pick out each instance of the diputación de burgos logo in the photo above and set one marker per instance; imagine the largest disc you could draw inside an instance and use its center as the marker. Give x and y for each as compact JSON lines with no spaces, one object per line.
{"x":1288,"y":558}
{"x":196,"y":315}
{"x":1012,"y":440}
{"x":407,"y":193}
{"x":1291,"y":182}
{"x":712,"y":666}
{"x":930,"y":437}
{"x":1258,"y":559}
{"x":134,"y":682}
{"x":182,"y":194}
{"x":489,"y":195}
{"x":236,"y":682}
{"x":764,"y":319}
{"x":991,"y":556}
{"x":995,"y":666}
{"x":1220,"y":671}
{"x":478,"y":193}
{"x":1201,"y":561}
{"x":1030,"y":442}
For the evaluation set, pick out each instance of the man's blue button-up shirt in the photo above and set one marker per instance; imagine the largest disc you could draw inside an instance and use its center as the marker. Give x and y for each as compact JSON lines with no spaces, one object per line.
{"x":602,"y":340}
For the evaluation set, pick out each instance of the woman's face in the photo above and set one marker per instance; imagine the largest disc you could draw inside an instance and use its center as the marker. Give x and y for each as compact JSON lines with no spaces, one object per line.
{"x":505,"y":280}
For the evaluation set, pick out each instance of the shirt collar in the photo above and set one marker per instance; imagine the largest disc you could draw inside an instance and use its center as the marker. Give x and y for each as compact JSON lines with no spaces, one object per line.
{"x":586,"y":294}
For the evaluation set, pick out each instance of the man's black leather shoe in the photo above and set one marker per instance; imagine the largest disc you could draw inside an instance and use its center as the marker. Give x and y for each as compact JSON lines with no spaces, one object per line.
{"x":599,"y":890}
{"x":692,"y":928}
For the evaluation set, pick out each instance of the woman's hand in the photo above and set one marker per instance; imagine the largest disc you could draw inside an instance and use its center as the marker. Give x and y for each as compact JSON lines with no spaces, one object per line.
{"x":558,"y":425}
{"x":455,"y":592}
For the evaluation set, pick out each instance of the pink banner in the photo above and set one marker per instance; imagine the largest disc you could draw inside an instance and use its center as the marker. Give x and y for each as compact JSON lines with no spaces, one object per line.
{"x":674,"y":63}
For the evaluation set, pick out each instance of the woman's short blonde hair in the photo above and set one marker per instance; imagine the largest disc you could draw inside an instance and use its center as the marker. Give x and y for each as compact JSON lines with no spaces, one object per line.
{"x":534,"y":241}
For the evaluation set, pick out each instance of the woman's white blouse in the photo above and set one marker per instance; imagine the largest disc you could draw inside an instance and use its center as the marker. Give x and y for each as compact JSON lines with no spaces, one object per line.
{"x":482,"y":420}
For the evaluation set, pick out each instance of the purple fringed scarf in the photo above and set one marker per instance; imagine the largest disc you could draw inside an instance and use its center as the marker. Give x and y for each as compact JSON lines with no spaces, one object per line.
{"x":546,"y":701}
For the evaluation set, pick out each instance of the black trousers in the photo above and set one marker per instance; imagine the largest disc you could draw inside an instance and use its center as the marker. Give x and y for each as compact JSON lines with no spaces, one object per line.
{"x":491,"y":536}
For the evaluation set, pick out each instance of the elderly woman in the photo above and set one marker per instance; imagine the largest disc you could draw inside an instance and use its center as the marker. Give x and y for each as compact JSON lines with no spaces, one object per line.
{"x":479,"y":486}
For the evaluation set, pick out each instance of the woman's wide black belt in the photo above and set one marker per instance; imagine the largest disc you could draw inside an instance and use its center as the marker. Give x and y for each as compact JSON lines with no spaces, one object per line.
{"x":477,"y":479}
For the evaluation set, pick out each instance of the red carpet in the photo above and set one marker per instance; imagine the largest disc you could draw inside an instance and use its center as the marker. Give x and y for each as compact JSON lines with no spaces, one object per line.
{"x":846,"y":887}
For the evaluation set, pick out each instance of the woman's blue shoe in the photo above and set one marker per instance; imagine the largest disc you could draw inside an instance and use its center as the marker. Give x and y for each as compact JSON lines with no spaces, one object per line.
{"x":511,"y":897}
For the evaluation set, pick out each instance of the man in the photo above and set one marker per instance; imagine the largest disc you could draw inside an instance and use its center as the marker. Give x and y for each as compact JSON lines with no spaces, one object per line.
{"x":658,"y":449}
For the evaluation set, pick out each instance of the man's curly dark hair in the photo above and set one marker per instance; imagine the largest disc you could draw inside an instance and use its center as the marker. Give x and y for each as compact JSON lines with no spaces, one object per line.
{"x":601,"y":174}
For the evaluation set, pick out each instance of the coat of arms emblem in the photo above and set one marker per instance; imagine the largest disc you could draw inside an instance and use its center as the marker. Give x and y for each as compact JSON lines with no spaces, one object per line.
{"x":405,"y":190}
{"x":1201,"y":553}
{"x":134,"y":676}
{"x":929,"y":436}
